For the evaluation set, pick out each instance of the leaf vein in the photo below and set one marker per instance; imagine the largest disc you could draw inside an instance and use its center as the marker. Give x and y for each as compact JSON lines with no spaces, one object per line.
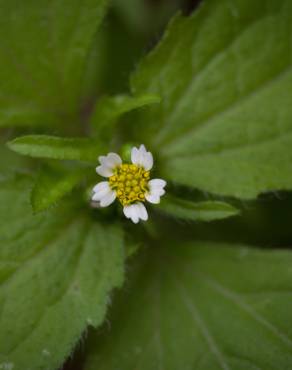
{"x":192,"y":308}
{"x":236,"y":299}
{"x":197,"y":76}
{"x":210,"y":120}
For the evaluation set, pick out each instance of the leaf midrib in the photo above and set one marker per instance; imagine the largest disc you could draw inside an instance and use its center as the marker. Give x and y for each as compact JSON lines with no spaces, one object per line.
{"x":201,"y":324}
{"x":159,"y":138}
{"x":238,"y":301}
{"x":233,"y":149}
{"x":228,"y":109}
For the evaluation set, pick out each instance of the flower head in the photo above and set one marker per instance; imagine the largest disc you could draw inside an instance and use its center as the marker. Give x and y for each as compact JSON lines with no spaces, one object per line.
{"x":129,"y":183}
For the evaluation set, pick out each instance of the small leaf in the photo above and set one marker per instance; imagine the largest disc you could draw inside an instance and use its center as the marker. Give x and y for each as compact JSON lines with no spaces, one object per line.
{"x":201,"y":306}
{"x":43,"y":57}
{"x":224,"y":75}
{"x":196,"y":211}
{"x":52,"y":185}
{"x":109,"y":109}
{"x":43,"y":146}
{"x":56,"y":271}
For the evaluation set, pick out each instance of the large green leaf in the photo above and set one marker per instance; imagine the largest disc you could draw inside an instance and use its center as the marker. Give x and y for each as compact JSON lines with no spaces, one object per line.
{"x":225,"y":78}
{"x":202,"y":306}
{"x":42,"y":58}
{"x":45,"y":146}
{"x":56,"y":271}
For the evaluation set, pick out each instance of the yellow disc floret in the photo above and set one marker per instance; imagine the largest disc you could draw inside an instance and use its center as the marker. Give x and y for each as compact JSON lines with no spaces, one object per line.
{"x":130,"y":183}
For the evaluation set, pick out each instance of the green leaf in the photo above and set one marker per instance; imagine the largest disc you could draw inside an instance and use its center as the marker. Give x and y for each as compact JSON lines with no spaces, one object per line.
{"x":52,"y":185}
{"x":109,"y":109}
{"x":56,"y":271}
{"x":225,"y":78}
{"x":201,"y":306}
{"x":42,"y":58}
{"x":196,"y":211}
{"x":44,"y":146}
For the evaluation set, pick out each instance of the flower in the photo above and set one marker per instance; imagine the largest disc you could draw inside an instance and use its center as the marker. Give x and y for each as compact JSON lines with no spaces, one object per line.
{"x":129,"y":183}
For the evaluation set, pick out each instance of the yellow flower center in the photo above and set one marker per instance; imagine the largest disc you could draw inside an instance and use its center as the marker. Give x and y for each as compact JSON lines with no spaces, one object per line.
{"x":130,"y":183}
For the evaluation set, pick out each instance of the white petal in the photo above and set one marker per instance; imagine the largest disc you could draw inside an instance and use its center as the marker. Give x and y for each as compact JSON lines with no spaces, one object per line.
{"x":155,"y":199}
{"x":95,"y":198}
{"x":136,"y":212}
{"x":141,"y":157}
{"x":127,"y":211}
{"x":156,"y":190}
{"x":157,"y":183}
{"x":108,"y":199}
{"x":108,"y":163}
{"x":101,"y":186}
{"x":143,"y":215}
{"x":111,"y":160}
{"x":135,"y":155}
{"x":130,"y":212}
{"x":104,"y":171}
{"x":103,"y":194}
{"x":101,"y":190}
{"x":102,"y":159}
{"x":147,"y":161}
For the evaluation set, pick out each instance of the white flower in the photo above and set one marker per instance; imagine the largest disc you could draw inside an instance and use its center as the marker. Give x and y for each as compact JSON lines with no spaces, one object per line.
{"x":129,"y":183}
